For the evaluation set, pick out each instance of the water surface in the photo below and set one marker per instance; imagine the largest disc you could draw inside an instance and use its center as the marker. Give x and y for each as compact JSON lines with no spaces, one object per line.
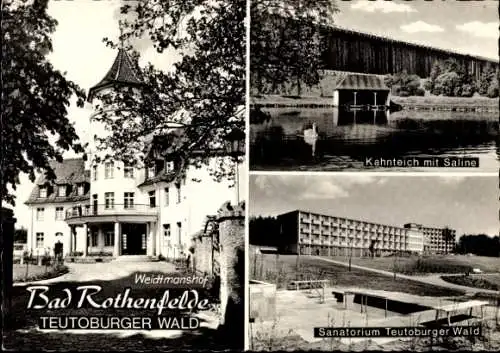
{"x":346,"y":139}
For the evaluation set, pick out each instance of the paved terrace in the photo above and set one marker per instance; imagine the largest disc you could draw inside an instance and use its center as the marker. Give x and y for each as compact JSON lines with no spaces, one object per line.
{"x":300,"y":311}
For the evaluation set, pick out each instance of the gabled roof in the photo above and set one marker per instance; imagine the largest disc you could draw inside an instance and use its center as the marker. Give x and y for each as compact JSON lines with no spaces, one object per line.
{"x":124,"y":71}
{"x":69,"y":172}
{"x":357,"y":81}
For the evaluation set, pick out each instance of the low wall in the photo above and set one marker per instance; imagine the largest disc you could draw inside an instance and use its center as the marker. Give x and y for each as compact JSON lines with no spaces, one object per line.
{"x":262,"y":300}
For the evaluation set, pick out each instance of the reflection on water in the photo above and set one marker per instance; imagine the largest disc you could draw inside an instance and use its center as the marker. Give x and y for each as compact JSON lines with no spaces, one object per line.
{"x":283,"y":139}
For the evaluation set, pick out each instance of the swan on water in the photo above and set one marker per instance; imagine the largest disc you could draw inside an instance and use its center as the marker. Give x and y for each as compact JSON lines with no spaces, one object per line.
{"x":311,"y":136}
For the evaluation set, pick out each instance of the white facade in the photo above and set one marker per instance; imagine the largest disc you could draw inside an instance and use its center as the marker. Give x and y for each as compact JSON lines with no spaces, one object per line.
{"x":126,"y":211}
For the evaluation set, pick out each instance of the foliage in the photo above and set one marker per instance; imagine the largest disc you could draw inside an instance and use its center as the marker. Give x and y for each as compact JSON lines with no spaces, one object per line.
{"x":432,"y":265}
{"x":263,"y":231}
{"x":470,"y":281}
{"x":451,"y":79}
{"x":403,"y":84}
{"x":285,"y":42}
{"x":21,"y":235}
{"x":447,"y":84}
{"x":478,"y":244}
{"x":204,"y":93}
{"x":485,"y":81}
{"x":493,"y":88}
{"x":35,"y":96}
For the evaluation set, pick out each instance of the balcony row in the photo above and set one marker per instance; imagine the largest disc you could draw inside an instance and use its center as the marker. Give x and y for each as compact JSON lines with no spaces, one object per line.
{"x":96,"y":212}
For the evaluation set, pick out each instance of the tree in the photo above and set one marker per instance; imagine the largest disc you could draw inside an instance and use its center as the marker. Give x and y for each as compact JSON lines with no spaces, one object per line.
{"x":402,"y":82}
{"x":35,"y":96}
{"x":204,"y":94}
{"x":21,"y":235}
{"x":286,"y":43}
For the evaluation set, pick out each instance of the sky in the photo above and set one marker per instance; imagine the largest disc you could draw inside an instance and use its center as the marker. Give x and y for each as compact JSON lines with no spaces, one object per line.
{"x":470,"y":27}
{"x":80,"y":52}
{"x":468,"y":204}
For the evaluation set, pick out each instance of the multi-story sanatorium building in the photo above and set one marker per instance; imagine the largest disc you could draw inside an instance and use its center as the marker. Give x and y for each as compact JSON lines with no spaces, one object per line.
{"x":109,"y":207}
{"x":436,"y":240}
{"x":312,"y":233}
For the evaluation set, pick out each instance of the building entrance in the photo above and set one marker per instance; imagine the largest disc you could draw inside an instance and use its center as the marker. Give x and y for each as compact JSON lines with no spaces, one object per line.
{"x":134,"y":239}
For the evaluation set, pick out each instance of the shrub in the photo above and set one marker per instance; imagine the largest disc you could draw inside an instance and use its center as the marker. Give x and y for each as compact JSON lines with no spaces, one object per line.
{"x":404,"y":94}
{"x":493,"y":89}
{"x":420,"y":92}
{"x":402,"y":82}
{"x":446,"y":84}
{"x":467,"y":90}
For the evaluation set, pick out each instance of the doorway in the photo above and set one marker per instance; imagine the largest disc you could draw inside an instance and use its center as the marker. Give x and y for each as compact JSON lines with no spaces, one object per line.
{"x":134,"y":238}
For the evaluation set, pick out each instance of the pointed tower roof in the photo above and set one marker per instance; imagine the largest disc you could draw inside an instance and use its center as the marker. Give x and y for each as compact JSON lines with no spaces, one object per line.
{"x":124,"y":71}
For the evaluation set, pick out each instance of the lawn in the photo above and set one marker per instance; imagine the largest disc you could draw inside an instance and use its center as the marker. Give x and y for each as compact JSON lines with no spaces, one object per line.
{"x":406,"y":101}
{"x":22,"y":273}
{"x":283,"y":268}
{"x":491,"y":281}
{"x":433,"y":263}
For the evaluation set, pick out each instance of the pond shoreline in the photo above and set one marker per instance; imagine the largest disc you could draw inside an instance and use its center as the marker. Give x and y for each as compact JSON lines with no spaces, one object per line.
{"x":428,"y":103}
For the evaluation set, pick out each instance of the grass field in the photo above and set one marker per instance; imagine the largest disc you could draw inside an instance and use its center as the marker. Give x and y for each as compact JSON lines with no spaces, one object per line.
{"x":433,"y":264}
{"x":283,"y":268}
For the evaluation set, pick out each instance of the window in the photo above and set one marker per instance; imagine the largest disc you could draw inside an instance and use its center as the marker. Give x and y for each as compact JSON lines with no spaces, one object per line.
{"x":179,"y":195}
{"x":109,"y":238}
{"x":128,"y":171}
{"x":152,"y":198}
{"x":43,"y":191}
{"x":109,"y":200}
{"x":81,"y":189}
{"x":167,"y":197}
{"x":61,"y":191}
{"x":179,"y":231}
{"x":151,"y":172}
{"x":166,"y":230}
{"x":109,"y":168}
{"x":94,"y":239}
{"x":59,"y":213}
{"x":39,"y":214}
{"x":39,"y":240}
{"x":128,"y":200}
{"x":159,"y":166}
{"x":169,"y":167}
{"x":94,"y":172}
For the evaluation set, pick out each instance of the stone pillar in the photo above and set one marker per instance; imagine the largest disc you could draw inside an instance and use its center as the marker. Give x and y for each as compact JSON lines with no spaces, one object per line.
{"x":85,"y":240}
{"x":100,"y":237}
{"x":231,"y":221}
{"x":70,"y":243}
{"x":152,"y":235}
{"x":375,"y":97}
{"x":117,"y":247}
{"x":355,"y":93}
{"x":7,"y":251}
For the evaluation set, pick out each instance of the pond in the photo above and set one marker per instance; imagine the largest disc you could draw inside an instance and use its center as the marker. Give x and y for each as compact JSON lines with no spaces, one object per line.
{"x":324,"y":139}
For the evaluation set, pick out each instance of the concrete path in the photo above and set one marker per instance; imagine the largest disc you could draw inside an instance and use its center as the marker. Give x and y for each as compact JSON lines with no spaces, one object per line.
{"x":430,"y":279}
{"x":106,"y":271}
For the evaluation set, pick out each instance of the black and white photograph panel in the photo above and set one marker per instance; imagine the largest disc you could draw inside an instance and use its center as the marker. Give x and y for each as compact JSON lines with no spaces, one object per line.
{"x":356,"y":262}
{"x":123,"y":175}
{"x":374,"y":85}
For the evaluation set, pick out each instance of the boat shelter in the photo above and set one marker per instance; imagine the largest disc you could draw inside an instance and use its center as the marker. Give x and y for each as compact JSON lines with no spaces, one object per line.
{"x":356,"y":91}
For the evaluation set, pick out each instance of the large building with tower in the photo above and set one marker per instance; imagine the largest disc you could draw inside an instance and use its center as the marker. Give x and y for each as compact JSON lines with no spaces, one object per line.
{"x":106,"y":207}
{"x":310,"y":233}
